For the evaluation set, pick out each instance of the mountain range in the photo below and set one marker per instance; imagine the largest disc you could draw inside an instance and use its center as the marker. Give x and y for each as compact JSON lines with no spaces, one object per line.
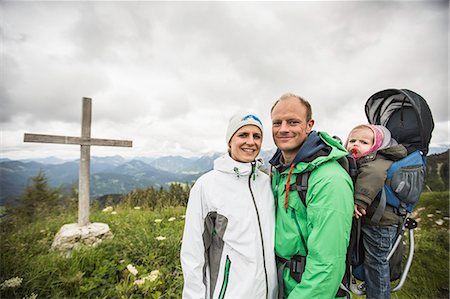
{"x":109,"y":175}
{"x":114,"y":174}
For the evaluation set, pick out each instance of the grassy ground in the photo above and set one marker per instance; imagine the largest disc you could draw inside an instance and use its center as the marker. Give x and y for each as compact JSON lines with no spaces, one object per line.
{"x":152,"y":248}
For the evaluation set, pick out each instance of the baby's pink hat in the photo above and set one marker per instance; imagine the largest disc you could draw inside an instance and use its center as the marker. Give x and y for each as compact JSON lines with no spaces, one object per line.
{"x":378,"y":134}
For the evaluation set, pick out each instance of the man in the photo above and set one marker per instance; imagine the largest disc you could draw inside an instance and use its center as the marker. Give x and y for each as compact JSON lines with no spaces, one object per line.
{"x":311,"y":238}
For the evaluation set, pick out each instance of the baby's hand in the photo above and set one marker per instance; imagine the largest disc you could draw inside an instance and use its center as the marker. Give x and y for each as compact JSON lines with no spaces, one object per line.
{"x":359,"y":211}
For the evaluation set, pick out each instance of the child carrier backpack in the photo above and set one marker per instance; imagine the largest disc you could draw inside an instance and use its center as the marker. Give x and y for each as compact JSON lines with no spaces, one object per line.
{"x":409,"y":119}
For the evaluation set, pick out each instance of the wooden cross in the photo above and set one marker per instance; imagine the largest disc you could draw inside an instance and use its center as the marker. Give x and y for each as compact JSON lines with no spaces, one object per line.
{"x":85,"y":142}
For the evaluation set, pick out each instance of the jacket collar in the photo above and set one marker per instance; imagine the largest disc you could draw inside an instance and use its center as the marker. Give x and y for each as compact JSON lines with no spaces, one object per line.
{"x":228,"y":165}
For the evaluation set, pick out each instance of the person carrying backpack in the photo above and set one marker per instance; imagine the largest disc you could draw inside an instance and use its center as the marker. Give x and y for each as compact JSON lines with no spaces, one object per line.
{"x":375,"y":150}
{"x":312,"y":234}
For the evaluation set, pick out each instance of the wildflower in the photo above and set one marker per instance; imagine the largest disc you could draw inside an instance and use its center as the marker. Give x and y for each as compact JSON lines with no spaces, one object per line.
{"x":160,"y":238}
{"x":11,"y":283}
{"x":439,"y":222}
{"x":171,"y":219}
{"x":139,"y":281}
{"x":132,"y":269}
{"x":113,"y":213}
{"x":158,"y":220}
{"x":430,"y":215}
{"x":137,"y":208}
{"x":438,"y":212}
{"x":153,"y":275}
{"x":183,"y":216}
{"x":446,"y":218}
{"x":107,"y":209}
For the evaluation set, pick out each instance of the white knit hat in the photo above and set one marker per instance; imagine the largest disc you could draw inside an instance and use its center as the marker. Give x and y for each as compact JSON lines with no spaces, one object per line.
{"x":239,"y":120}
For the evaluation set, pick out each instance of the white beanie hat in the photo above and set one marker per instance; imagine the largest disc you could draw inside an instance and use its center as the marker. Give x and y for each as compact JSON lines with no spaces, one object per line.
{"x":239,"y":120}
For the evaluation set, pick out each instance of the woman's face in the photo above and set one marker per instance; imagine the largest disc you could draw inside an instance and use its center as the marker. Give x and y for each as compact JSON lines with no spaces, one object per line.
{"x":246,"y":144}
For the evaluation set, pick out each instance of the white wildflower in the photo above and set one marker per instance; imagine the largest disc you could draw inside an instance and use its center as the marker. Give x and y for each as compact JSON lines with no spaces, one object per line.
{"x":439,"y":222}
{"x":113,"y":213}
{"x":137,"y":208}
{"x":183,"y":216}
{"x":158,"y":220}
{"x":438,"y":212}
{"x":153,"y":275}
{"x":430,"y":215}
{"x":139,"y":281}
{"x":420,"y":209}
{"x":446,"y":218}
{"x":160,"y":238}
{"x":11,"y":283}
{"x":132,"y":269}
{"x":107,"y":209}
{"x":171,"y":219}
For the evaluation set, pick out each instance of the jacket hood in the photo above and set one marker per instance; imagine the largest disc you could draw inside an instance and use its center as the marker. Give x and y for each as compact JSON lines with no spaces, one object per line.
{"x":227,"y":164}
{"x":317,"y":144}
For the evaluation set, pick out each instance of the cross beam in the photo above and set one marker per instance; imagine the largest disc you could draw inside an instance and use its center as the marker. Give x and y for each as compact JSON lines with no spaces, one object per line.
{"x":85,"y":142}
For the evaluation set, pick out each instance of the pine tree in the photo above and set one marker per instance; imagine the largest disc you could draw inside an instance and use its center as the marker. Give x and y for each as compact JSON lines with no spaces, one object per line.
{"x":39,"y":198}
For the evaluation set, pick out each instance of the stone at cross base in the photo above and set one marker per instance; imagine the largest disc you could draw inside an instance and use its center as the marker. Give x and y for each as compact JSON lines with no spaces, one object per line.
{"x":75,"y":235}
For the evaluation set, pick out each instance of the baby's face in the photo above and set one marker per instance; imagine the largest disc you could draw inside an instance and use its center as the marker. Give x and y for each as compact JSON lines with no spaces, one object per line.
{"x":360,"y":141}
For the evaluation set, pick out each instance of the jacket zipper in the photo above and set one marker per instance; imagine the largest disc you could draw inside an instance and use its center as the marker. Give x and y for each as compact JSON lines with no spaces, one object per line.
{"x":260,"y":229}
{"x":225,"y":278}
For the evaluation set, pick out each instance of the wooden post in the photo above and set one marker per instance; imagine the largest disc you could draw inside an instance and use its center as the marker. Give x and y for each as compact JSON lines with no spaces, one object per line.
{"x":85,"y":161}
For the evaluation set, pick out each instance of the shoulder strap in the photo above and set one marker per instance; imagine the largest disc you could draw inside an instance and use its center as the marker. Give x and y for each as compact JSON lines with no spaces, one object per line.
{"x":301,"y":185}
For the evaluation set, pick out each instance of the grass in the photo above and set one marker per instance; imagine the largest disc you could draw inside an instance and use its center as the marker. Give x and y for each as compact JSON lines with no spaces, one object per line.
{"x":102,"y":272}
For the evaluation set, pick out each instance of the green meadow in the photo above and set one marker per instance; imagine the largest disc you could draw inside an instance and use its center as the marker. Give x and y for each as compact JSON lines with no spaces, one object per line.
{"x":142,"y":259}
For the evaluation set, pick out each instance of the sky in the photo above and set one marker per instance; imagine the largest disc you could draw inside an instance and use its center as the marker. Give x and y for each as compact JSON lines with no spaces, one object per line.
{"x":169,"y":75}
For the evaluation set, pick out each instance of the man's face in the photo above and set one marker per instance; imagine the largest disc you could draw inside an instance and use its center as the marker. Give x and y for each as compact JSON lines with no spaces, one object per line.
{"x":289,"y":125}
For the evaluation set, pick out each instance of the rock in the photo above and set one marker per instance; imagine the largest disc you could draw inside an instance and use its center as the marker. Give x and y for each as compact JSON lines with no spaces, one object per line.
{"x":72,"y":236}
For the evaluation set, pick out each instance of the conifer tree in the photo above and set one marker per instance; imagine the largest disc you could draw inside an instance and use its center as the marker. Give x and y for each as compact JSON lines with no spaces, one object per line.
{"x":39,"y":198}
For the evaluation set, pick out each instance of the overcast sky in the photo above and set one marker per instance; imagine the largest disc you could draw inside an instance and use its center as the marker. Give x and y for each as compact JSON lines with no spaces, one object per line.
{"x":168,"y":75}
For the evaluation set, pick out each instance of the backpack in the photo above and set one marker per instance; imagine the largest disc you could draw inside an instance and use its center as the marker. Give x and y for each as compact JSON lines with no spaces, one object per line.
{"x":408,"y":117}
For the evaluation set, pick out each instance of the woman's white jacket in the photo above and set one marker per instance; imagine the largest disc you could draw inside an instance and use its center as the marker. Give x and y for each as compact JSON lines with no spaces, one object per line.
{"x":228,"y":243}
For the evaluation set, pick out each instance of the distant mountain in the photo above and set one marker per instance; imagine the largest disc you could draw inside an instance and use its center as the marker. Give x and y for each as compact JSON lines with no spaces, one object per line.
{"x":117,"y":175}
{"x":438,"y":149}
{"x":108,"y":175}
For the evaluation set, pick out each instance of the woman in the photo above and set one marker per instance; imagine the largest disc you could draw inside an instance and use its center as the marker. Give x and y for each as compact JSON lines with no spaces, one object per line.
{"x":228,"y":241}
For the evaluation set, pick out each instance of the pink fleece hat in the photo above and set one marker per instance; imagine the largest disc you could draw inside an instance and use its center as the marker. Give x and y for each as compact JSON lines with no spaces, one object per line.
{"x":378,"y":138}
{"x":382,"y":139}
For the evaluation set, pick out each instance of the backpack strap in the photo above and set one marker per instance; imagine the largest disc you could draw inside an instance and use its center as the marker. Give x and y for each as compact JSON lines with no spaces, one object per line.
{"x":380,"y":209}
{"x":301,"y":185}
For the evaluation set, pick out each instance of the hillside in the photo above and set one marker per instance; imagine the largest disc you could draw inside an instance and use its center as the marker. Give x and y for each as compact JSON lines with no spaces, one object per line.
{"x":149,"y":240}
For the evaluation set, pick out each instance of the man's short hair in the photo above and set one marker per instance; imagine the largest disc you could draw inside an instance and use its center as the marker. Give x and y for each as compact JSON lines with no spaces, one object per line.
{"x":302,"y":100}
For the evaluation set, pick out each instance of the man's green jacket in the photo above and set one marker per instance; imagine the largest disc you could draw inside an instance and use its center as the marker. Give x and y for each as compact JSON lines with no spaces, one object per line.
{"x":321,"y":229}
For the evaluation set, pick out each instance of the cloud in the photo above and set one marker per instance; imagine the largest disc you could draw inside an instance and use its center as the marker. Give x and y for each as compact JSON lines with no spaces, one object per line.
{"x":168,"y":75}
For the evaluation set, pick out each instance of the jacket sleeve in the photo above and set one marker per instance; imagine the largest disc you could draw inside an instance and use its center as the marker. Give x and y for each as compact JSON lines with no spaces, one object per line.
{"x":370,"y":181}
{"x":192,"y":248}
{"x":329,"y":210}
